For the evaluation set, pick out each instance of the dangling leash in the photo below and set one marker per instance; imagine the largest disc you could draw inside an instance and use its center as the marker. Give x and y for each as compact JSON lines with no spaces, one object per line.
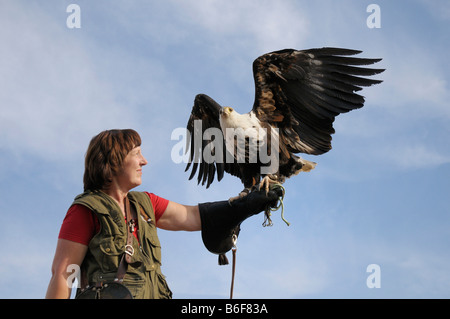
{"x":233,"y":269}
{"x":267,"y":212}
{"x":267,"y":222}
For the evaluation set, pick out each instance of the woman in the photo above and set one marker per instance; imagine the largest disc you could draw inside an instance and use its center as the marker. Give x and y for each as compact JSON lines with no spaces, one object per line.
{"x":96,"y":232}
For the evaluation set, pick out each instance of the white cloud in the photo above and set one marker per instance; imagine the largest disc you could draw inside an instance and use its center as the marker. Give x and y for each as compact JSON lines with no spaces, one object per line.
{"x":52,"y":100}
{"x":414,"y":157}
{"x":415,"y":84}
{"x":416,"y":79}
{"x":269,"y":27}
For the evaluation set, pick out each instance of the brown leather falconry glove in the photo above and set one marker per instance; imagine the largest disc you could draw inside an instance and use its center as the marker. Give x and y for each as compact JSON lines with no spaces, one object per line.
{"x":221,"y":220}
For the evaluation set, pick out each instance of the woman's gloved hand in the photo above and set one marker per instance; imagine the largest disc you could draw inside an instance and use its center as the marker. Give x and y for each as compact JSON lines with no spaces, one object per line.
{"x":221,"y":220}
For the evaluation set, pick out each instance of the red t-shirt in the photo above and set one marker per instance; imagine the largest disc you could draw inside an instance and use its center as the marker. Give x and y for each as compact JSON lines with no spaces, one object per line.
{"x":80,"y":224}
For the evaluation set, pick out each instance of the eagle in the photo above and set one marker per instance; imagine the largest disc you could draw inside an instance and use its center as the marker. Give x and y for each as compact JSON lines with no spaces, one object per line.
{"x":298,"y":94}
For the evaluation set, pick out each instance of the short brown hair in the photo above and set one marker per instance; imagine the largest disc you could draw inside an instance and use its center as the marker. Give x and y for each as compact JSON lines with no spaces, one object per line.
{"x":105,"y":155}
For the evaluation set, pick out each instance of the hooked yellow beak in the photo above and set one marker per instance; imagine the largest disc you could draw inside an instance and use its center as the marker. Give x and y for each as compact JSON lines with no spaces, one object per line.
{"x":226,"y":110}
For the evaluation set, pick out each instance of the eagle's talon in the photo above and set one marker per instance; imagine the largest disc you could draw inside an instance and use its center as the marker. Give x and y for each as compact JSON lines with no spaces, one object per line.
{"x":242,"y":194}
{"x":267,"y":181}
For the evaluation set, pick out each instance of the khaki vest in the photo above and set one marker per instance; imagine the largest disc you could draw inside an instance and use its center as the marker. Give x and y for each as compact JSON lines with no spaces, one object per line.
{"x":106,"y":248}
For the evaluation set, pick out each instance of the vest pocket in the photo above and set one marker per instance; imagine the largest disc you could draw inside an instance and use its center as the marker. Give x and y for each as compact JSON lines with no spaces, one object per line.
{"x":111,"y":255}
{"x":155,"y":247}
{"x":151,"y":247}
{"x":163,"y":287}
{"x":135,"y":284}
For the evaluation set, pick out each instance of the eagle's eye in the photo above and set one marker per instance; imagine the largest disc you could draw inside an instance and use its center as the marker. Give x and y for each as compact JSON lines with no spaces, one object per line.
{"x":226,"y":110}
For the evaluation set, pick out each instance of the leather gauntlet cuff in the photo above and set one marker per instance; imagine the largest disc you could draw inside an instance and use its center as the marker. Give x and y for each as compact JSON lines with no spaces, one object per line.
{"x":219,"y":224}
{"x":221,"y":220}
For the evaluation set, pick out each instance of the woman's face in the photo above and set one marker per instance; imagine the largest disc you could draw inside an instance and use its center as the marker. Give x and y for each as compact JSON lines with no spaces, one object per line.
{"x":130,"y":175}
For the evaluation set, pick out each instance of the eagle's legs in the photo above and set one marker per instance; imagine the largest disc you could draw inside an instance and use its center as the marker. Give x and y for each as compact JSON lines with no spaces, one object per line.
{"x":242,"y":194}
{"x":267,"y":181}
{"x":249,"y":186}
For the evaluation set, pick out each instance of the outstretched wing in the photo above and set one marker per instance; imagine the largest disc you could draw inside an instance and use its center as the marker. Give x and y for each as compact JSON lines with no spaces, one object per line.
{"x":301,"y":93}
{"x":207,"y":155}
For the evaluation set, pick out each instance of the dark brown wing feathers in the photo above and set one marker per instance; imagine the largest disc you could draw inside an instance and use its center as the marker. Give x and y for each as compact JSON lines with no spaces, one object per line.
{"x":307,"y":90}
{"x":206,"y":110}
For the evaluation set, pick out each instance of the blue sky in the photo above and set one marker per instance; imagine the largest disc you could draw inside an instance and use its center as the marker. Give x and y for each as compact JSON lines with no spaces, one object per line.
{"x":380,"y":196}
